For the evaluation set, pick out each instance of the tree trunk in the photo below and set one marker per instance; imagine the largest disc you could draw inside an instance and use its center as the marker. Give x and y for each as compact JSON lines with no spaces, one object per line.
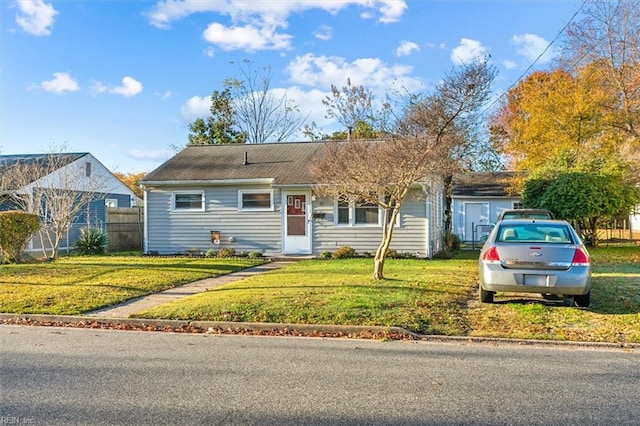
{"x":378,"y":265}
{"x":593,"y":222}
{"x":390,"y":217}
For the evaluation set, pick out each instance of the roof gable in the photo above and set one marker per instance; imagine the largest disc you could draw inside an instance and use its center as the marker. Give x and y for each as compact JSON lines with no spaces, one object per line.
{"x":7,"y":162}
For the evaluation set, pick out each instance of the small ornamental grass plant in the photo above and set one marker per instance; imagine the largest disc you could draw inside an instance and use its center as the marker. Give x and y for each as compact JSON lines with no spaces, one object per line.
{"x":92,"y":241}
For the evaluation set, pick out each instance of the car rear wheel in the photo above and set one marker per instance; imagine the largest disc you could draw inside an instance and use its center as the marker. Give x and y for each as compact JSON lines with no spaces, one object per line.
{"x":486,"y":296}
{"x":582,"y":300}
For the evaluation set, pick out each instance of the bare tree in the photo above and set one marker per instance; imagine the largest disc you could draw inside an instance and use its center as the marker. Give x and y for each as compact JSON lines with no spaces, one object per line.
{"x":352,"y":106}
{"x":261,"y":113}
{"x":56,"y":188}
{"x":608,"y":37}
{"x":429,"y":132}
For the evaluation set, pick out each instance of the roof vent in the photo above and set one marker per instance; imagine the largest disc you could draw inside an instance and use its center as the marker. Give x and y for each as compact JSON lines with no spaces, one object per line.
{"x":246,"y":158}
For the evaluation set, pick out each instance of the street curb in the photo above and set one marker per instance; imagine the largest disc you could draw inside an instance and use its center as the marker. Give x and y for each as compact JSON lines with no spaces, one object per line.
{"x":212,"y":327}
{"x":280,"y":329}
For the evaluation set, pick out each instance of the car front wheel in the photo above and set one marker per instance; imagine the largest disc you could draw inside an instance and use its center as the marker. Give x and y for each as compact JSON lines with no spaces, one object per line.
{"x":486,"y":296}
{"x":582,"y":300}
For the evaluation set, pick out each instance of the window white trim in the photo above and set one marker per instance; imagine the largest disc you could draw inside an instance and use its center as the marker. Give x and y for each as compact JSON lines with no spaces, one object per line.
{"x":242,"y":192}
{"x":187,"y":209}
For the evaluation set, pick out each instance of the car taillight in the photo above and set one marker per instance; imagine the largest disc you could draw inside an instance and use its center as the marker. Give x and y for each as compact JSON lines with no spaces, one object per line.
{"x":491,"y":255}
{"x":580,"y":258}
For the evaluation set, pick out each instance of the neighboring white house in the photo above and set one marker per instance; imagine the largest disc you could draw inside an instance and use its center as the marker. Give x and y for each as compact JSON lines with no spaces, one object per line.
{"x":258,"y":197}
{"x":634,"y":220}
{"x":80,"y":172}
{"x":477,"y":198}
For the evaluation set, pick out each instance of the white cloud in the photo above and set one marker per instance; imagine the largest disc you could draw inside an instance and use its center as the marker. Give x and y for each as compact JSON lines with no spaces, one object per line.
{"x":210,"y":52}
{"x":531,"y":46}
{"x":248,"y":37}
{"x":164,"y":96}
{"x":167,"y":11}
{"x":372,"y":73}
{"x":196,"y":107}
{"x":35,"y":16}
{"x":257,"y":25}
{"x":508,"y":64}
{"x":62,"y":82}
{"x":392,"y":10}
{"x":130,"y":87}
{"x":406,"y":48}
{"x":324,"y":32}
{"x":97,"y":87}
{"x":467,"y":51}
{"x":154,"y":155}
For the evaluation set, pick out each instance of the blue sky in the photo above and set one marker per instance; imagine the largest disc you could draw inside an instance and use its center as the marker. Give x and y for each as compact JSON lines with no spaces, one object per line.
{"x":122,"y":79}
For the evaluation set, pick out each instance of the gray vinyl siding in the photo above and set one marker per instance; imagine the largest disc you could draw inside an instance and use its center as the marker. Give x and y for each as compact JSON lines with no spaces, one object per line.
{"x":410,"y":233}
{"x":419,"y":230}
{"x":171,"y":232}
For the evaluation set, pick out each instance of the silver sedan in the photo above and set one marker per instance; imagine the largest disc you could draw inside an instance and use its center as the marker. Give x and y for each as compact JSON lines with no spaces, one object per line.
{"x":535,"y":256}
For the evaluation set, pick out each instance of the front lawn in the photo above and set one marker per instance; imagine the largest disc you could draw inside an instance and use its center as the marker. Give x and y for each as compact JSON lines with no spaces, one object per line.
{"x":425,"y":296}
{"x":76,"y":285}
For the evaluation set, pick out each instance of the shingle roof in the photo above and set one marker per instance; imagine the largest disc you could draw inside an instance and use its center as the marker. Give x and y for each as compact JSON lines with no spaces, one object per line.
{"x":285,"y":163}
{"x":61,"y":160}
{"x":482,"y":184}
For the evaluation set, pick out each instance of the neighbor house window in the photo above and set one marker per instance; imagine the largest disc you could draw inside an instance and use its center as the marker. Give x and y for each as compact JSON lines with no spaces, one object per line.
{"x":188,"y":200}
{"x":517,"y":205}
{"x":255,"y":200}
{"x":87,"y":169}
{"x":111,"y":202}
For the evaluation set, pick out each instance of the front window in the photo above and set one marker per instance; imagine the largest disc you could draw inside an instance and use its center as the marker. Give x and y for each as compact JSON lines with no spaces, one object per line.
{"x":255,"y":200}
{"x":357,"y":213}
{"x":367,"y":214}
{"x":343,"y":213}
{"x":188,"y":201}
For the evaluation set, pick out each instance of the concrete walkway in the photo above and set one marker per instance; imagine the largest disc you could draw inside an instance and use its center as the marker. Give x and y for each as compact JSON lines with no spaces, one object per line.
{"x":130,"y":307}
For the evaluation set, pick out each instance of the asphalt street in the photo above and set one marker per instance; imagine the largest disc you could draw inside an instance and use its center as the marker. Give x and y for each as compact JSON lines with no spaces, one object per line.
{"x":60,"y":376}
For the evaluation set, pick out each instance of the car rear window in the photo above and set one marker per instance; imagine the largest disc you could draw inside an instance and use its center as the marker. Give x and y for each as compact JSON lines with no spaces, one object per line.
{"x":534,"y":232}
{"x":526,"y":216}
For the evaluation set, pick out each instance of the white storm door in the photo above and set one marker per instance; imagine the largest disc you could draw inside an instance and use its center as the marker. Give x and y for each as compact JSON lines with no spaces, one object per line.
{"x":296,"y":222}
{"x":475,"y":214}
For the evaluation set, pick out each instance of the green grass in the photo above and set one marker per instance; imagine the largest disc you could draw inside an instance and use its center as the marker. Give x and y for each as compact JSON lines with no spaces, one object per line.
{"x":426,"y":296}
{"x":76,"y":285}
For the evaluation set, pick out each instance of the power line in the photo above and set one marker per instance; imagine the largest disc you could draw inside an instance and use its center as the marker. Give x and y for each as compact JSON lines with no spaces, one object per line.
{"x":538,"y":58}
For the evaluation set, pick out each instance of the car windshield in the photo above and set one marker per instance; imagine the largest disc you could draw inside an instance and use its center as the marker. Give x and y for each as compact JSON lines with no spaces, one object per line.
{"x":534,"y":232}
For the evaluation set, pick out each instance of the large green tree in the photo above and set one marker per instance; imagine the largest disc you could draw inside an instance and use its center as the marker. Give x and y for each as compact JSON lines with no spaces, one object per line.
{"x":586,"y":199}
{"x":219,"y":127}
